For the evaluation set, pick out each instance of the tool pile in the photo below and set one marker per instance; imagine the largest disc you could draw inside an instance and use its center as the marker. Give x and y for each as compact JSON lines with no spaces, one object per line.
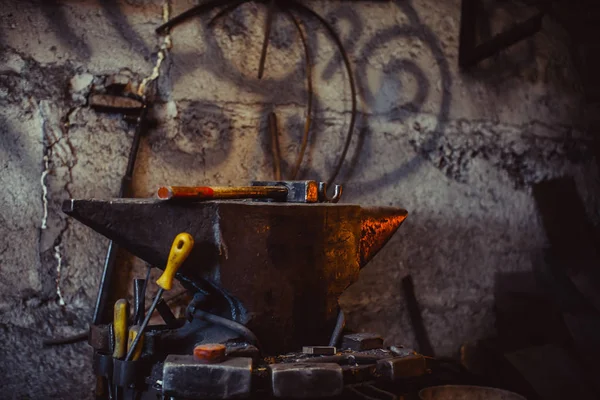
{"x":264,"y":266}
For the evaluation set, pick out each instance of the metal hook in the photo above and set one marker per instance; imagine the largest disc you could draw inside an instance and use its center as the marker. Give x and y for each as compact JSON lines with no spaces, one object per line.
{"x":323,"y":197}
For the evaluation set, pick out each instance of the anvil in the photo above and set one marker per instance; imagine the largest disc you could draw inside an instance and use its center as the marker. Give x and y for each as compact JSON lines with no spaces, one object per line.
{"x":279,"y":268}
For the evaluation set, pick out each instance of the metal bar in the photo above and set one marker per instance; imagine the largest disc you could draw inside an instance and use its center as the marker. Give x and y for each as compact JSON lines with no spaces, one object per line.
{"x":126,"y":187}
{"x":192,"y":12}
{"x":166,"y":314}
{"x":466,"y":41}
{"x":506,"y":39}
{"x":416,"y":318}
{"x":144,"y":325}
{"x":299,"y":6}
{"x":275,"y":149}
{"x":145,"y":288}
{"x":469,"y":53}
{"x":263,"y":52}
{"x":102,"y":313}
{"x":309,"y":91}
{"x":139,"y":300}
{"x":80,"y":337}
{"x":339,"y":327}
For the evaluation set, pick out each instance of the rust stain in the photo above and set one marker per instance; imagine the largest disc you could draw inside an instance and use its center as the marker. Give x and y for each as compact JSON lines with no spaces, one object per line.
{"x":312,"y":192}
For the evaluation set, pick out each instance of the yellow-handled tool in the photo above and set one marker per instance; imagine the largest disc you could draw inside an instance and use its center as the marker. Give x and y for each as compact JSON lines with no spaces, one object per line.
{"x":133,"y":333}
{"x":121,"y":314}
{"x":180,"y":250}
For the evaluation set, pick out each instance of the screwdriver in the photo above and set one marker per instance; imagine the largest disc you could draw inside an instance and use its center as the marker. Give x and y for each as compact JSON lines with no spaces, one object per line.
{"x":133,"y":332}
{"x":121,"y":311}
{"x":180,"y":250}
{"x":121,"y":314}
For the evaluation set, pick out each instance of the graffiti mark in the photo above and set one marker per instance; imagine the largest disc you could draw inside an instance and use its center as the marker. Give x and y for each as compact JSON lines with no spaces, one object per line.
{"x":349,"y":36}
{"x":397,"y":110}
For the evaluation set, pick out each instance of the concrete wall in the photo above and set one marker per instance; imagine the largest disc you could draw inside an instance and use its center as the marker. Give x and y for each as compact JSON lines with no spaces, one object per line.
{"x":459,"y":151}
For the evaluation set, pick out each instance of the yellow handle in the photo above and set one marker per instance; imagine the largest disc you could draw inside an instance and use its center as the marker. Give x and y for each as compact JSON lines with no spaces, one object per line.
{"x":181,"y":248}
{"x":133,"y":332}
{"x":120,"y":328}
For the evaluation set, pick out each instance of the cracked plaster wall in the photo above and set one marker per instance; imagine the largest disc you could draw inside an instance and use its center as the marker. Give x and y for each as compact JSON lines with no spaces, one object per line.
{"x":459,"y":151}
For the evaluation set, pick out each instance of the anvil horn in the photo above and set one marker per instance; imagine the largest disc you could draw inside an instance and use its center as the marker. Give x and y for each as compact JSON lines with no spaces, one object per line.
{"x":378,"y":226}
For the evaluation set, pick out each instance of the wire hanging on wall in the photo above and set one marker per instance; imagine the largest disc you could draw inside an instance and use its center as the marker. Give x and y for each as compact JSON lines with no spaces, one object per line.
{"x":226,"y":7}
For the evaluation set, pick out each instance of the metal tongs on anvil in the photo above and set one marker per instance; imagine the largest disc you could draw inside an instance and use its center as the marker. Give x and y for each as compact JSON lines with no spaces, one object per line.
{"x":284,"y":191}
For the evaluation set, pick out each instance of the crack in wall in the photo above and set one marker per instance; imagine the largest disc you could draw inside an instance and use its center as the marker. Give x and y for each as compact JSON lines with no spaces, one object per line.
{"x":45,"y":192}
{"x":165,"y":46}
{"x":59,"y":152}
{"x":58,"y":258}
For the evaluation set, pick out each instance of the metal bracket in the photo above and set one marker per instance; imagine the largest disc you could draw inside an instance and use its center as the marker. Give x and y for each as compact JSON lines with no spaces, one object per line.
{"x":470,"y":53}
{"x":324,"y":197}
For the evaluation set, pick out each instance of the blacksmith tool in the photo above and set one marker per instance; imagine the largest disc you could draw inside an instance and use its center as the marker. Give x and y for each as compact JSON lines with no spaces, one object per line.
{"x":284,"y":191}
{"x":139,"y":300}
{"x":121,"y":315}
{"x":180,"y":250}
{"x":134,"y":331}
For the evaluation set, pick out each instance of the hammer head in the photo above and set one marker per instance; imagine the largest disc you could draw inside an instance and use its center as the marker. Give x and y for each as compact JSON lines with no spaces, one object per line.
{"x":284,"y":266}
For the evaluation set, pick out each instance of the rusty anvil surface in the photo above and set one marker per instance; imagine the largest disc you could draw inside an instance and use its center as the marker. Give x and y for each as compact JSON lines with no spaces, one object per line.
{"x":283,"y":266}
